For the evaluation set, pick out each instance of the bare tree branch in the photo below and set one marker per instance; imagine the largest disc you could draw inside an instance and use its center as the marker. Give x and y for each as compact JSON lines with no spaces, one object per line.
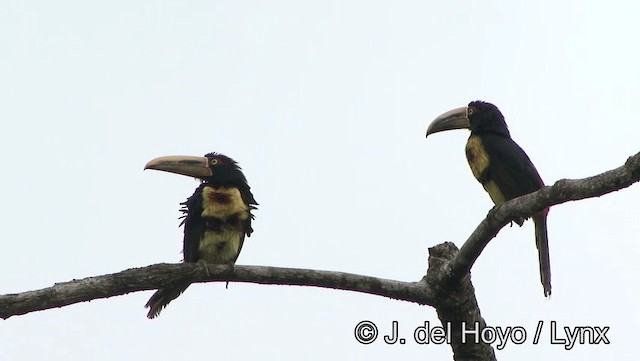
{"x":156,"y":276}
{"x":562,"y":191}
{"x":447,"y":285}
{"x":456,"y":304}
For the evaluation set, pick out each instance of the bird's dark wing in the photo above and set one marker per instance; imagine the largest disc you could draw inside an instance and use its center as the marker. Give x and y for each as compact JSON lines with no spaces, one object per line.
{"x":515,"y":175}
{"x":194,"y":225}
{"x":510,"y":167}
{"x":247,"y":198}
{"x":239,"y":249}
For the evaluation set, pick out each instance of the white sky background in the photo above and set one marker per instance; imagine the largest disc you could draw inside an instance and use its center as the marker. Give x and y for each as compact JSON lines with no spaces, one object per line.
{"x":324,"y":104}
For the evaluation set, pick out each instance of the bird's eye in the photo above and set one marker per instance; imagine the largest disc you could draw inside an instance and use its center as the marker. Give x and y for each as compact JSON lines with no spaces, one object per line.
{"x":213,"y":161}
{"x":469,"y":111}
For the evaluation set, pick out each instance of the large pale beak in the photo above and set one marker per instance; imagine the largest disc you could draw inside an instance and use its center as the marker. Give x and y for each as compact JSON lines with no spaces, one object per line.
{"x":453,"y":119}
{"x":197,"y":167}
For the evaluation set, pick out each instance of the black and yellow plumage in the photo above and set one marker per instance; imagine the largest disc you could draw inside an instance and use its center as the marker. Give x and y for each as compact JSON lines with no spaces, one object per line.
{"x":500,"y":165}
{"x":217,"y":217}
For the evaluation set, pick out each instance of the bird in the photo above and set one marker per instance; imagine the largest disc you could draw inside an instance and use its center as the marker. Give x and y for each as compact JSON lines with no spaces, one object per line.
{"x":500,"y":165}
{"x":216,"y":218}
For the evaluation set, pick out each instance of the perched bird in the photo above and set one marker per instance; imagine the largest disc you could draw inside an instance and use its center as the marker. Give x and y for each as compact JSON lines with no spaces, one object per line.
{"x":500,"y":165}
{"x":217,"y":216}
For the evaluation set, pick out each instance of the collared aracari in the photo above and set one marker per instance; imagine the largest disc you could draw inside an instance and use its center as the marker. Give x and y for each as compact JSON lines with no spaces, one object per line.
{"x":216,"y":218}
{"x":500,"y":165}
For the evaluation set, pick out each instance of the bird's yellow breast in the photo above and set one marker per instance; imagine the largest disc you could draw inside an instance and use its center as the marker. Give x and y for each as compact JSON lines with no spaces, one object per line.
{"x":220,"y":247}
{"x":226,"y":205}
{"x":479,"y":163}
{"x":223,"y":203}
{"x":476,"y":156}
{"x":494,"y":192}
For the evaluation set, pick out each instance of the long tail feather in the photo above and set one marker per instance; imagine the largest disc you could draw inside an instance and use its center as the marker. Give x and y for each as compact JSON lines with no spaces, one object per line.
{"x":162,"y":297}
{"x":542,"y":242}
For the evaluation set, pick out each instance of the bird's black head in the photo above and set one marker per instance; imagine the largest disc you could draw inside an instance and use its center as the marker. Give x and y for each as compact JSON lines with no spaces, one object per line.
{"x":214,"y":168}
{"x":479,"y":117}
{"x":224,"y":171}
{"x":486,"y":118}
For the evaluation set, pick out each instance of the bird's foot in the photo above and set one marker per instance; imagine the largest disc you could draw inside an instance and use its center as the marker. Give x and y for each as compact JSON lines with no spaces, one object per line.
{"x":231,"y":270}
{"x":205,"y":264}
{"x":518,"y":220}
{"x":492,"y":212}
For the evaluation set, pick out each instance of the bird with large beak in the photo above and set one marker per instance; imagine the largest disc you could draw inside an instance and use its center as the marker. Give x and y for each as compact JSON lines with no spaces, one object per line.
{"x":217,"y":217}
{"x":500,"y":165}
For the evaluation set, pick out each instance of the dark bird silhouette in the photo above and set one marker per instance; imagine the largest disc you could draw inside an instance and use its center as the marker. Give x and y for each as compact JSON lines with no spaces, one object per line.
{"x":500,"y":165}
{"x":217,"y":217}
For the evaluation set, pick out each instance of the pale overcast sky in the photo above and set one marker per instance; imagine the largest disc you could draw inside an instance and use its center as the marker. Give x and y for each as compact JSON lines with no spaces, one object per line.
{"x":324,"y":104}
